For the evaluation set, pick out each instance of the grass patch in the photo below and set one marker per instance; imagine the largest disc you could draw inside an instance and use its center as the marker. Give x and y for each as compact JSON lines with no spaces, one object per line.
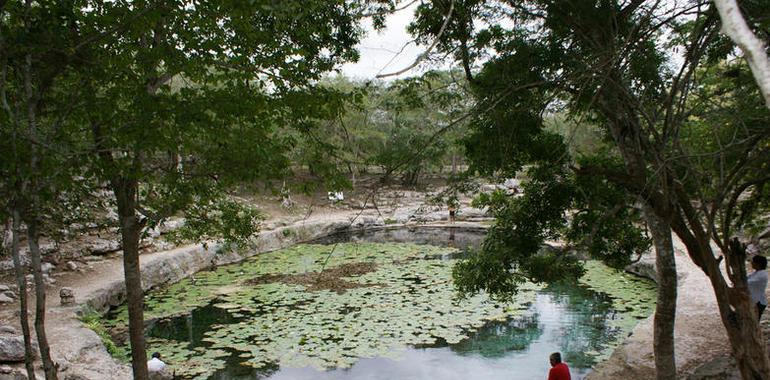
{"x":93,"y":320}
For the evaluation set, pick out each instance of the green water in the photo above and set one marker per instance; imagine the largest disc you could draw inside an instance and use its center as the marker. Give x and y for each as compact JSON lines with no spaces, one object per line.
{"x":400,"y":320}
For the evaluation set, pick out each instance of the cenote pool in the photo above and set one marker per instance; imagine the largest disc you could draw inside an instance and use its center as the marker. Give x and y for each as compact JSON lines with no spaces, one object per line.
{"x":382,"y":306}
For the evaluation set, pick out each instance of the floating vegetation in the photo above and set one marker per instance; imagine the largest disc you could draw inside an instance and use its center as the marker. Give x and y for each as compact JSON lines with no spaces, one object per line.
{"x":300,"y":307}
{"x":327,"y":279}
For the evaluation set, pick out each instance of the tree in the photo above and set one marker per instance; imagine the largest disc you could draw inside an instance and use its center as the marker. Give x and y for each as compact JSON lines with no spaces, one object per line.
{"x":402,"y":127}
{"x":605,"y":61}
{"x":37,"y":141}
{"x":187,"y":101}
{"x":175,"y":101}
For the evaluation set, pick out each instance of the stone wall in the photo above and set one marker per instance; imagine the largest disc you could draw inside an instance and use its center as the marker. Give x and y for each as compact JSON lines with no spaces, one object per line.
{"x":172,"y":266}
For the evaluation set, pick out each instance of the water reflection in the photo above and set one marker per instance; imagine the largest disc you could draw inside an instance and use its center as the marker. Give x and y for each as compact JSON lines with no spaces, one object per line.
{"x":563,"y":317}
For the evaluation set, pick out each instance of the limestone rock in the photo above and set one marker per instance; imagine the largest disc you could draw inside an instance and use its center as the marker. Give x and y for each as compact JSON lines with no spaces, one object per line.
{"x":67,"y":296}
{"x":8,"y":330}
{"x":721,"y":368}
{"x":171,"y":224}
{"x":161,"y":375}
{"x":75,"y":376}
{"x":10,"y":294}
{"x":12,"y":374}
{"x":5,"y":299}
{"x":46,"y":267}
{"x":71,"y":265}
{"x":11,"y":349}
{"x":4,"y":288}
{"x":645,"y":266}
{"x":100,"y":246}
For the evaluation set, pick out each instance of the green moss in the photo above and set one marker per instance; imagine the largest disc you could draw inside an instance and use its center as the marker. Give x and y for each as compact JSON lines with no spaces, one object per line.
{"x":93,"y":320}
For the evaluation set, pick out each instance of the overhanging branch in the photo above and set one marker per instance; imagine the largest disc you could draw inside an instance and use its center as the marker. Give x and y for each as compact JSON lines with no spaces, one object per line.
{"x":734,"y":26}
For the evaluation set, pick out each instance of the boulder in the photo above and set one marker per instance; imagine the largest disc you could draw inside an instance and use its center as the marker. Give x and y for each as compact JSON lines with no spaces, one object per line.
{"x":75,"y":376}
{"x":5,"y":299}
{"x":645,"y":266}
{"x":67,"y":296}
{"x":46,"y":267}
{"x":100,"y":246}
{"x":165,"y":374}
{"x":4,"y":288}
{"x":8,"y":330}
{"x":10,"y":294}
{"x":721,"y":368}
{"x":12,"y":374}
{"x":11,"y":349}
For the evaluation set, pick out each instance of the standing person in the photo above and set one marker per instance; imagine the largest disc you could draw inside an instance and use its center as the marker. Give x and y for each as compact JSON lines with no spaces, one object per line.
{"x":452,"y":204}
{"x":757,"y":282}
{"x":559,"y":370}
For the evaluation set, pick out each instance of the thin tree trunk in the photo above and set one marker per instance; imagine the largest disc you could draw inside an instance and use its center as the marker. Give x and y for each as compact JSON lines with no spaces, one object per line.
{"x":665,"y":312}
{"x":32,"y":223}
{"x":21,"y":283}
{"x":125,"y":191}
{"x":33,"y":237}
{"x":738,"y":313}
{"x":739,"y":316}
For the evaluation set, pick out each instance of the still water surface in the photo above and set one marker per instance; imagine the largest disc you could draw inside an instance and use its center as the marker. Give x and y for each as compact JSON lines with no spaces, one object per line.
{"x":570,"y":319}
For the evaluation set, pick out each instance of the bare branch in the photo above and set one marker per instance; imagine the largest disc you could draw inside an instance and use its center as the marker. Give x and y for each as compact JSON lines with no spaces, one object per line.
{"x":387,"y":11}
{"x":425,"y":54}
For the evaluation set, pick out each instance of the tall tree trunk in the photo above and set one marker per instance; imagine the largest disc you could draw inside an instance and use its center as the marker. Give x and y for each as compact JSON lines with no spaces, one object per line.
{"x":125,"y":191}
{"x":21,"y":283}
{"x":33,"y":237}
{"x":665,"y":312}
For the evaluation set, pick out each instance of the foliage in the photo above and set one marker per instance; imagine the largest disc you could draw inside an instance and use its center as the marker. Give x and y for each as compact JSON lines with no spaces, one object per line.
{"x":405,"y":128}
{"x":93,"y":320}
{"x":680,"y":119}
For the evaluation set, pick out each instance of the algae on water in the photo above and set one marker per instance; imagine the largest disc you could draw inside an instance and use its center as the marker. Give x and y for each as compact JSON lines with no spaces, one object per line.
{"x":267,"y":311}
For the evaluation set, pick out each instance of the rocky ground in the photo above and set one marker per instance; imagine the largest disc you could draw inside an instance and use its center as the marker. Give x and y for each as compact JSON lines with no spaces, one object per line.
{"x":95,"y":281}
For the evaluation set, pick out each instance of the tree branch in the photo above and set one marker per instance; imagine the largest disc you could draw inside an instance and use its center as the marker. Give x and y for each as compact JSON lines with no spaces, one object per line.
{"x":425,"y":54}
{"x":386,"y":11}
{"x":754,"y":50}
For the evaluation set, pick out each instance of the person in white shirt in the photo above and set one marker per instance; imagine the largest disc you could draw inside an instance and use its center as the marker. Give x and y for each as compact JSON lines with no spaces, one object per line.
{"x":758,"y":283}
{"x":155,"y":364}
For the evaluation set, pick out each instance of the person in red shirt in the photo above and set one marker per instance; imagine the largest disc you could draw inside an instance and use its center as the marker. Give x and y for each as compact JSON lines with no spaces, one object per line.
{"x":559,"y":370}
